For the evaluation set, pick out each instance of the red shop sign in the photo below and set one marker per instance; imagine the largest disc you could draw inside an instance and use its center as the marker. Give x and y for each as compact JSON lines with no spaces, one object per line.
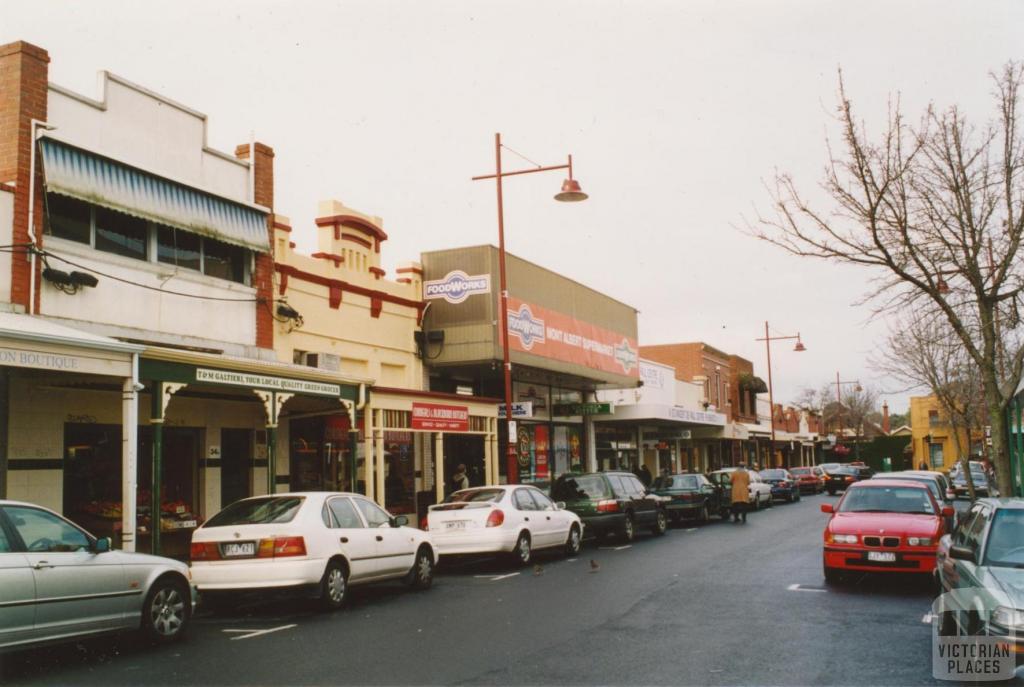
{"x":437,"y":417}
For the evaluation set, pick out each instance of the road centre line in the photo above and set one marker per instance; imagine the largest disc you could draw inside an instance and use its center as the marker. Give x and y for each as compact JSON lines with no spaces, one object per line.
{"x":249,"y":634}
{"x":798,"y":588}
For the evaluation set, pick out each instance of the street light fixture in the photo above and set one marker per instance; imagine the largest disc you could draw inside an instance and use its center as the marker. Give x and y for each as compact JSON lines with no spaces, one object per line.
{"x":798,"y":348}
{"x":570,"y":193}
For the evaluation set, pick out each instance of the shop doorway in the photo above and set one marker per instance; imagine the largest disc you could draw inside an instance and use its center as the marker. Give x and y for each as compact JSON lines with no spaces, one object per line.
{"x":465,"y":449}
{"x":235,"y":464}
{"x":92,"y":476}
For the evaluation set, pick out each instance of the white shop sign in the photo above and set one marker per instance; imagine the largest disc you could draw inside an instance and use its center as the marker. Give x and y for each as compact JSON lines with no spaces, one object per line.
{"x":299,"y":386}
{"x":93,"y":362}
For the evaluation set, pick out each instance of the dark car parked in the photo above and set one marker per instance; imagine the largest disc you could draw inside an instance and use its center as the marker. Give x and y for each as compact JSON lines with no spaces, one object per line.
{"x":843,"y":476}
{"x":811,"y":479}
{"x":784,"y":485}
{"x":691,"y":496}
{"x":980,"y":479}
{"x":611,"y":503}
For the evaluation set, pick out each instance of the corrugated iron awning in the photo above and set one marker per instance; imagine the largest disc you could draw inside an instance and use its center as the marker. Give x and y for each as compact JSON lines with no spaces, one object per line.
{"x":96,"y":179}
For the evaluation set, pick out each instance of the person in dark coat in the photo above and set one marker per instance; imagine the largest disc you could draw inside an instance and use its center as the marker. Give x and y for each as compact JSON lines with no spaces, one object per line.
{"x":645,"y":476}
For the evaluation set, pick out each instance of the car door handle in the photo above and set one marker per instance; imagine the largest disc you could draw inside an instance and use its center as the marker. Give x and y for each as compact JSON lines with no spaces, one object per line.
{"x":42,"y":564}
{"x":344,"y":540}
{"x":380,"y":538}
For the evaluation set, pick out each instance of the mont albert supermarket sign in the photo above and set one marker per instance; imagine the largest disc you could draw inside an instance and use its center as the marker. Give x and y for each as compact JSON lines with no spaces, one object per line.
{"x":456,"y":286}
{"x":298,"y":386}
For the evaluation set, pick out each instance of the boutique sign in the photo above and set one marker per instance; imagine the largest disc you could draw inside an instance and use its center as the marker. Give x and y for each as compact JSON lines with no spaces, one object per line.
{"x":550,"y":334}
{"x":456,"y":286}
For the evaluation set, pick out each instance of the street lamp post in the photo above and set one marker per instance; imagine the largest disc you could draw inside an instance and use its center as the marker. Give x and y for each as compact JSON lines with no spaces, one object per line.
{"x":799,"y":347}
{"x":839,"y":403}
{"x":570,"y":192}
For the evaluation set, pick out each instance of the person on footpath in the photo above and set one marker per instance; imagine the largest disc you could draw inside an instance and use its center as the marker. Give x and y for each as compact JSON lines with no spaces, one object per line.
{"x":460,"y":480}
{"x":740,"y":479}
{"x":645,"y":476}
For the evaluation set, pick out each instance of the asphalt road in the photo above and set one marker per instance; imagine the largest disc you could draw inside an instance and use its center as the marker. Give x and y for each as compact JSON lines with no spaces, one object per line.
{"x":709,"y":605}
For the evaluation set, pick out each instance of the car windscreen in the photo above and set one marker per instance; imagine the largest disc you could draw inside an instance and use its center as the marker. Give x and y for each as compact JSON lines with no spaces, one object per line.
{"x":887,"y":500}
{"x":801,"y":471}
{"x":476,"y":495}
{"x":580,"y":487}
{"x":261,"y":511}
{"x":773,"y":474}
{"x":677,"y":482}
{"x":1006,"y":539}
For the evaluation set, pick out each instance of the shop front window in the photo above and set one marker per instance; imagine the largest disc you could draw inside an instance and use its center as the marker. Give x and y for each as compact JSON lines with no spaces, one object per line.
{"x":400,"y":481}
{"x":319,"y":457}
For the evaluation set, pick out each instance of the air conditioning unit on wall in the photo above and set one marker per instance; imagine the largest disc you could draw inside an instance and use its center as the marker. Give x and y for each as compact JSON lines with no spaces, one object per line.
{"x":323,"y":361}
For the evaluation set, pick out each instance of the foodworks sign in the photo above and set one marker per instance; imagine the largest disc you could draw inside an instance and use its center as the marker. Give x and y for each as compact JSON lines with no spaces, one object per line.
{"x":558,"y":336}
{"x":456,"y":286}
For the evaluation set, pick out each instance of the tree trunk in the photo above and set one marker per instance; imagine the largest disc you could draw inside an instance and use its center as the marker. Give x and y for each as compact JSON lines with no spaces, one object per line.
{"x":1000,"y":451}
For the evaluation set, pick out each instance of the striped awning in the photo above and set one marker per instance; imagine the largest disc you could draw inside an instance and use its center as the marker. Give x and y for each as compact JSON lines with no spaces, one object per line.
{"x":93,"y":178}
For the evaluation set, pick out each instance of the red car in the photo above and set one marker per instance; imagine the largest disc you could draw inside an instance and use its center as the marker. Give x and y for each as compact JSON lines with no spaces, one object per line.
{"x":810,"y":479}
{"x":883,"y":525}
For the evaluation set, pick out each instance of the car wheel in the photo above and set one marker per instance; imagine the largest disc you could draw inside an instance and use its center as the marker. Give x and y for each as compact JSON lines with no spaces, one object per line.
{"x":523,"y":552}
{"x":628,"y":531}
{"x":660,"y":523}
{"x":574,"y":543}
{"x":421,"y":576}
{"x":334,"y":586}
{"x":166,"y":610}
{"x":832,"y":576}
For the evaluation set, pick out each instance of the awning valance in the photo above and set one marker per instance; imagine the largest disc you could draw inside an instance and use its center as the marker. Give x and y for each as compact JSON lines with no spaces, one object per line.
{"x":93,"y":178}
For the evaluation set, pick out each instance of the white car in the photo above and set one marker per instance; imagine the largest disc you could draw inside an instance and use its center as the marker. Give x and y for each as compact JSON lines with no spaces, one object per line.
{"x":759,"y":491}
{"x":60,"y":583}
{"x":314,"y":543}
{"x":510,"y":519}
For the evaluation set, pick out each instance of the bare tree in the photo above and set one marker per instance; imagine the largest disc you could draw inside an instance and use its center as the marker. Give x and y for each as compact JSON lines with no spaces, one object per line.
{"x":936,"y":211}
{"x":921,"y":351}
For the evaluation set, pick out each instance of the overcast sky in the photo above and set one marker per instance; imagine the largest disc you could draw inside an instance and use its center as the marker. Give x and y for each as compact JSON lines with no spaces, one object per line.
{"x":675,"y":113}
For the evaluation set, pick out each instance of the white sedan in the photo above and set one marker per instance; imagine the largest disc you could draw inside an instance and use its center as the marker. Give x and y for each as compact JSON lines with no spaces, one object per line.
{"x":315,"y":543}
{"x":759,"y":491}
{"x":511,"y":519}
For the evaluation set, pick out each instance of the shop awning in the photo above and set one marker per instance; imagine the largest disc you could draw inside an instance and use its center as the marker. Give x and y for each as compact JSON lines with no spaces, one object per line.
{"x":96,"y":179}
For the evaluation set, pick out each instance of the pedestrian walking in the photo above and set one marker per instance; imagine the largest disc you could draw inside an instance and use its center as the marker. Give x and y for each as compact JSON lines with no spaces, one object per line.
{"x":460,"y":480}
{"x":645,"y":476}
{"x":740,"y":480}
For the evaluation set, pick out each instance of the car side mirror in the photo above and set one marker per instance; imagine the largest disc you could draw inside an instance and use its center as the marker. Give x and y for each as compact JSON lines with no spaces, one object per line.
{"x":559,"y":505}
{"x":962,"y":553}
{"x":101,"y":545}
{"x":827,"y":508}
{"x":948,"y":511}
{"x":399,"y":521}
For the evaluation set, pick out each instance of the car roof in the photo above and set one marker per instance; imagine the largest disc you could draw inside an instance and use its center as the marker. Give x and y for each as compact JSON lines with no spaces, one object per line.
{"x":886,"y":482}
{"x":1013,"y":503}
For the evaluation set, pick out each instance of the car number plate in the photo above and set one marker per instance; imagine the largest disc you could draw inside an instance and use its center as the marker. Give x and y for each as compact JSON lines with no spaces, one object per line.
{"x":238,"y":550}
{"x":882,"y":556}
{"x":455,"y":525}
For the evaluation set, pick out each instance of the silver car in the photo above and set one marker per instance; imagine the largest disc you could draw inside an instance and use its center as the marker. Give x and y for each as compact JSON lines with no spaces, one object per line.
{"x":58,"y":582}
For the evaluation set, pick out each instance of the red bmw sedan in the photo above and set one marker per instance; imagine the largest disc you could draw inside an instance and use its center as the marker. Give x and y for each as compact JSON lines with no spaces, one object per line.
{"x":883,"y":525}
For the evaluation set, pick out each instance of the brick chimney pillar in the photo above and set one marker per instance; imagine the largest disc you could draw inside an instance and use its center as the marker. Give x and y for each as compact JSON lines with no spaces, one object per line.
{"x":885,"y":418}
{"x":24,"y":72}
{"x":263,"y":275}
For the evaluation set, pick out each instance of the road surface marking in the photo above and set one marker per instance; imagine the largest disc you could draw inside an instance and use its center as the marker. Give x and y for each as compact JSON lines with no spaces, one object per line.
{"x":615,"y":548}
{"x":692,"y":529}
{"x":798,"y":588}
{"x":571,"y":560}
{"x":495,"y":578}
{"x":256,"y":633}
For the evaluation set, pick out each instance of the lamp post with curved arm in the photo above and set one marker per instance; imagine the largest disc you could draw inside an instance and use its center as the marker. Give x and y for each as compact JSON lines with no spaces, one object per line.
{"x":799,"y":348}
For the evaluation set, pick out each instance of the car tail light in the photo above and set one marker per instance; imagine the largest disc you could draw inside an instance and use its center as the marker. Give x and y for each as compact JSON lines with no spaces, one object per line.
{"x":849,"y":479}
{"x":281,"y":547}
{"x":204,"y":551}
{"x":608,"y":506}
{"x":423,"y":523}
{"x":496,"y":518}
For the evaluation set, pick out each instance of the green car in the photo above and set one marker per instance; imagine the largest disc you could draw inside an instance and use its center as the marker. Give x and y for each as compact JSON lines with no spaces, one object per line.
{"x":611,"y":503}
{"x":980,"y":572}
{"x":692,"y":496}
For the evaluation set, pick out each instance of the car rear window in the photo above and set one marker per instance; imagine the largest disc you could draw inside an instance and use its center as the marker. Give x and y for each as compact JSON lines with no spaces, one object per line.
{"x":773,"y":474}
{"x":677,"y":482}
{"x":260,"y":511}
{"x":801,"y":471}
{"x":580,"y":487}
{"x":476,"y":496}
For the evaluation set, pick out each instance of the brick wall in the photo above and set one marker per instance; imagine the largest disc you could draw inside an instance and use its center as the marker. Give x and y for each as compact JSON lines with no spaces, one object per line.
{"x":24,"y":70}
{"x":697,"y":359}
{"x":263,"y":275}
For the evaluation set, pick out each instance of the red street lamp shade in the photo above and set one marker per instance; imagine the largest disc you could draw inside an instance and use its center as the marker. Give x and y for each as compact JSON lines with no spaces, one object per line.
{"x":858,"y":388}
{"x":571,"y":192}
{"x":799,"y":347}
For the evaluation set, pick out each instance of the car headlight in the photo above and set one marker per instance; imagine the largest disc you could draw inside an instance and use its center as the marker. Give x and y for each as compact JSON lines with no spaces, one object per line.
{"x":1008,"y":617}
{"x":919,"y":541}
{"x":844,"y":538}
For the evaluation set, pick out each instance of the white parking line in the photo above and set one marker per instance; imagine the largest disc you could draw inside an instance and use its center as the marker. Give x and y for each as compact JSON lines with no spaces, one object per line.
{"x":495,"y":578}
{"x":692,"y":529}
{"x":250,"y":633}
{"x":798,"y":588}
{"x":615,"y":548}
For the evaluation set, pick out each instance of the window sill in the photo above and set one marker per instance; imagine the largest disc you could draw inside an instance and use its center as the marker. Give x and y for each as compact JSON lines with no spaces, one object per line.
{"x":162,"y":272}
